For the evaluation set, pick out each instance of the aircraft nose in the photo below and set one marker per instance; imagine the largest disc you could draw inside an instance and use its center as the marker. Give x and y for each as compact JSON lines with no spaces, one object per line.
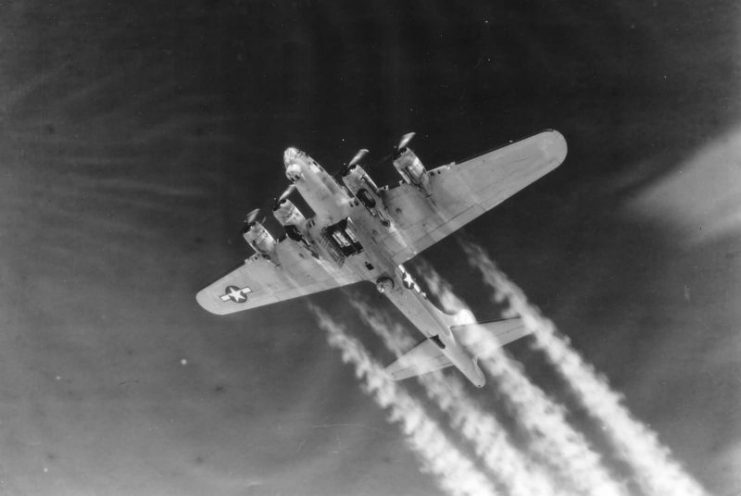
{"x":290,"y":155}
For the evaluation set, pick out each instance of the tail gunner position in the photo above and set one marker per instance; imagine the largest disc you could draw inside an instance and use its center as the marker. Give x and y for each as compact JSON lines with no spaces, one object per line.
{"x":363,"y":232}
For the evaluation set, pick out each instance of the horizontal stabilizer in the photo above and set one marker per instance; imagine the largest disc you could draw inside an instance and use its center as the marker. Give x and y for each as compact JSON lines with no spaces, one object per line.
{"x":505,"y":331}
{"x":423,"y":358}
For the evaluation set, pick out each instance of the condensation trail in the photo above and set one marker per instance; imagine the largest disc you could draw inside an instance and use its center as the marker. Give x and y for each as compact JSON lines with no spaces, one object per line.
{"x":455,"y":473}
{"x":517,"y":474}
{"x":551,"y":439}
{"x":656,"y":471}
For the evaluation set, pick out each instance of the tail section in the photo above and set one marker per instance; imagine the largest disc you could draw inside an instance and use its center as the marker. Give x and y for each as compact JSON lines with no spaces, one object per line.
{"x":441,"y":351}
{"x":435,"y":353}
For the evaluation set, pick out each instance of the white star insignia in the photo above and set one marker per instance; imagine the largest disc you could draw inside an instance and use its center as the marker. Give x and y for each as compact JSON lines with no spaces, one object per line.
{"x":233,"y":293}
{"x":408,"y":281}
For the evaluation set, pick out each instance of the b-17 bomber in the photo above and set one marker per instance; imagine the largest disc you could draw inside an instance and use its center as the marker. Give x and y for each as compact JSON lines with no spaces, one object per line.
{"x":362,"y":232}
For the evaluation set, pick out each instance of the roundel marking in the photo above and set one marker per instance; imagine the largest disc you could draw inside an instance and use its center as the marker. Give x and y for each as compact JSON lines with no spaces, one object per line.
{"x":235,"y":294}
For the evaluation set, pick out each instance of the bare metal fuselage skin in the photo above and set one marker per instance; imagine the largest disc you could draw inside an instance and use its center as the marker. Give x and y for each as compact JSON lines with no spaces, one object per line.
{"x":365,"y":257}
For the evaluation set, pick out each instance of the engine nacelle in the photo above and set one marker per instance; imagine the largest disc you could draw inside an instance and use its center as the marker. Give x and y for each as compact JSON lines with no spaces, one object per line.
{"x":288,"y":214}
{"x":365,"y":190}
{"x":412,"y":170}
{"x":259,"y":239}
{"x":292,"y":220}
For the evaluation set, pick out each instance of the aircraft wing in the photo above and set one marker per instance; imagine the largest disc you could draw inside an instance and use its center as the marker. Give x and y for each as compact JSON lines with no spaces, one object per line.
{"x":260,"y":282}
{"x":461,"y":192}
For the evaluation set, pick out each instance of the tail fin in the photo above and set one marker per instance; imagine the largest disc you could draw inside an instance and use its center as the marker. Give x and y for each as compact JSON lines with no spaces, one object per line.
{"x":505,"y":331}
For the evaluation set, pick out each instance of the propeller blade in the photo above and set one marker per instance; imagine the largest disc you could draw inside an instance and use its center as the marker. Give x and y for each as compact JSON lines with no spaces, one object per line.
{"x":252,"y":216}
{"x":405,"y":140}
{"x":289,"y":190}
{"x":358,"y":157}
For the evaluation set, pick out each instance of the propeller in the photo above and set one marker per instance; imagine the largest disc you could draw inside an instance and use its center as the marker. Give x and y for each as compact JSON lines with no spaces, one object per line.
{"x":252,"y":217}
{"x":358,"y":157}
{"x":286,"y":193}
{"x":404,"y":141}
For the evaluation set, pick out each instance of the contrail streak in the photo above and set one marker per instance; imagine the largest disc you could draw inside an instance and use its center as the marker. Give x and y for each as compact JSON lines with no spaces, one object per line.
{"x":455,"y":473}
{"x":551,"y":439}
{"x":516,"y":473}
{"x":657,"y":473}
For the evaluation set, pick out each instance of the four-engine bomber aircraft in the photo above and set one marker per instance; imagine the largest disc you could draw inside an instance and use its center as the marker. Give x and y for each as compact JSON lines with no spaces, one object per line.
{"x":362,"y":232}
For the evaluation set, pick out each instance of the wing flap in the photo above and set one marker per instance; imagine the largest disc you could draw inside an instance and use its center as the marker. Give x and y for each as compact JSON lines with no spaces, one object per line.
{"x":423,"y":358}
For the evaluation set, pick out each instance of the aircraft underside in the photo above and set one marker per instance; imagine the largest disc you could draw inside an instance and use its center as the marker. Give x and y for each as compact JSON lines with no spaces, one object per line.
{"x":361,"y":232}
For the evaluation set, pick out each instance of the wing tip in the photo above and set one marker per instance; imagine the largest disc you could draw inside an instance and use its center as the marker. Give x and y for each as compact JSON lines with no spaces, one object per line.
{"x":553,"y":144}
{"x":208,"y":302}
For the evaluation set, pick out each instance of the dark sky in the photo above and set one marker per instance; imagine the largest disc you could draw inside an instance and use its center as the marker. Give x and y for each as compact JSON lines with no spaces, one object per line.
{"x":133,"y":139}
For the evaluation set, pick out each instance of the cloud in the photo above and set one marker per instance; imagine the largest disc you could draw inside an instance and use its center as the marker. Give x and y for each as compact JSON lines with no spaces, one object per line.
{"x":656,"y":472}
{"x":454,"y":472}
{"x":702,"y":197}
{"x":489,"y":438}
{"x":552,"y":440}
